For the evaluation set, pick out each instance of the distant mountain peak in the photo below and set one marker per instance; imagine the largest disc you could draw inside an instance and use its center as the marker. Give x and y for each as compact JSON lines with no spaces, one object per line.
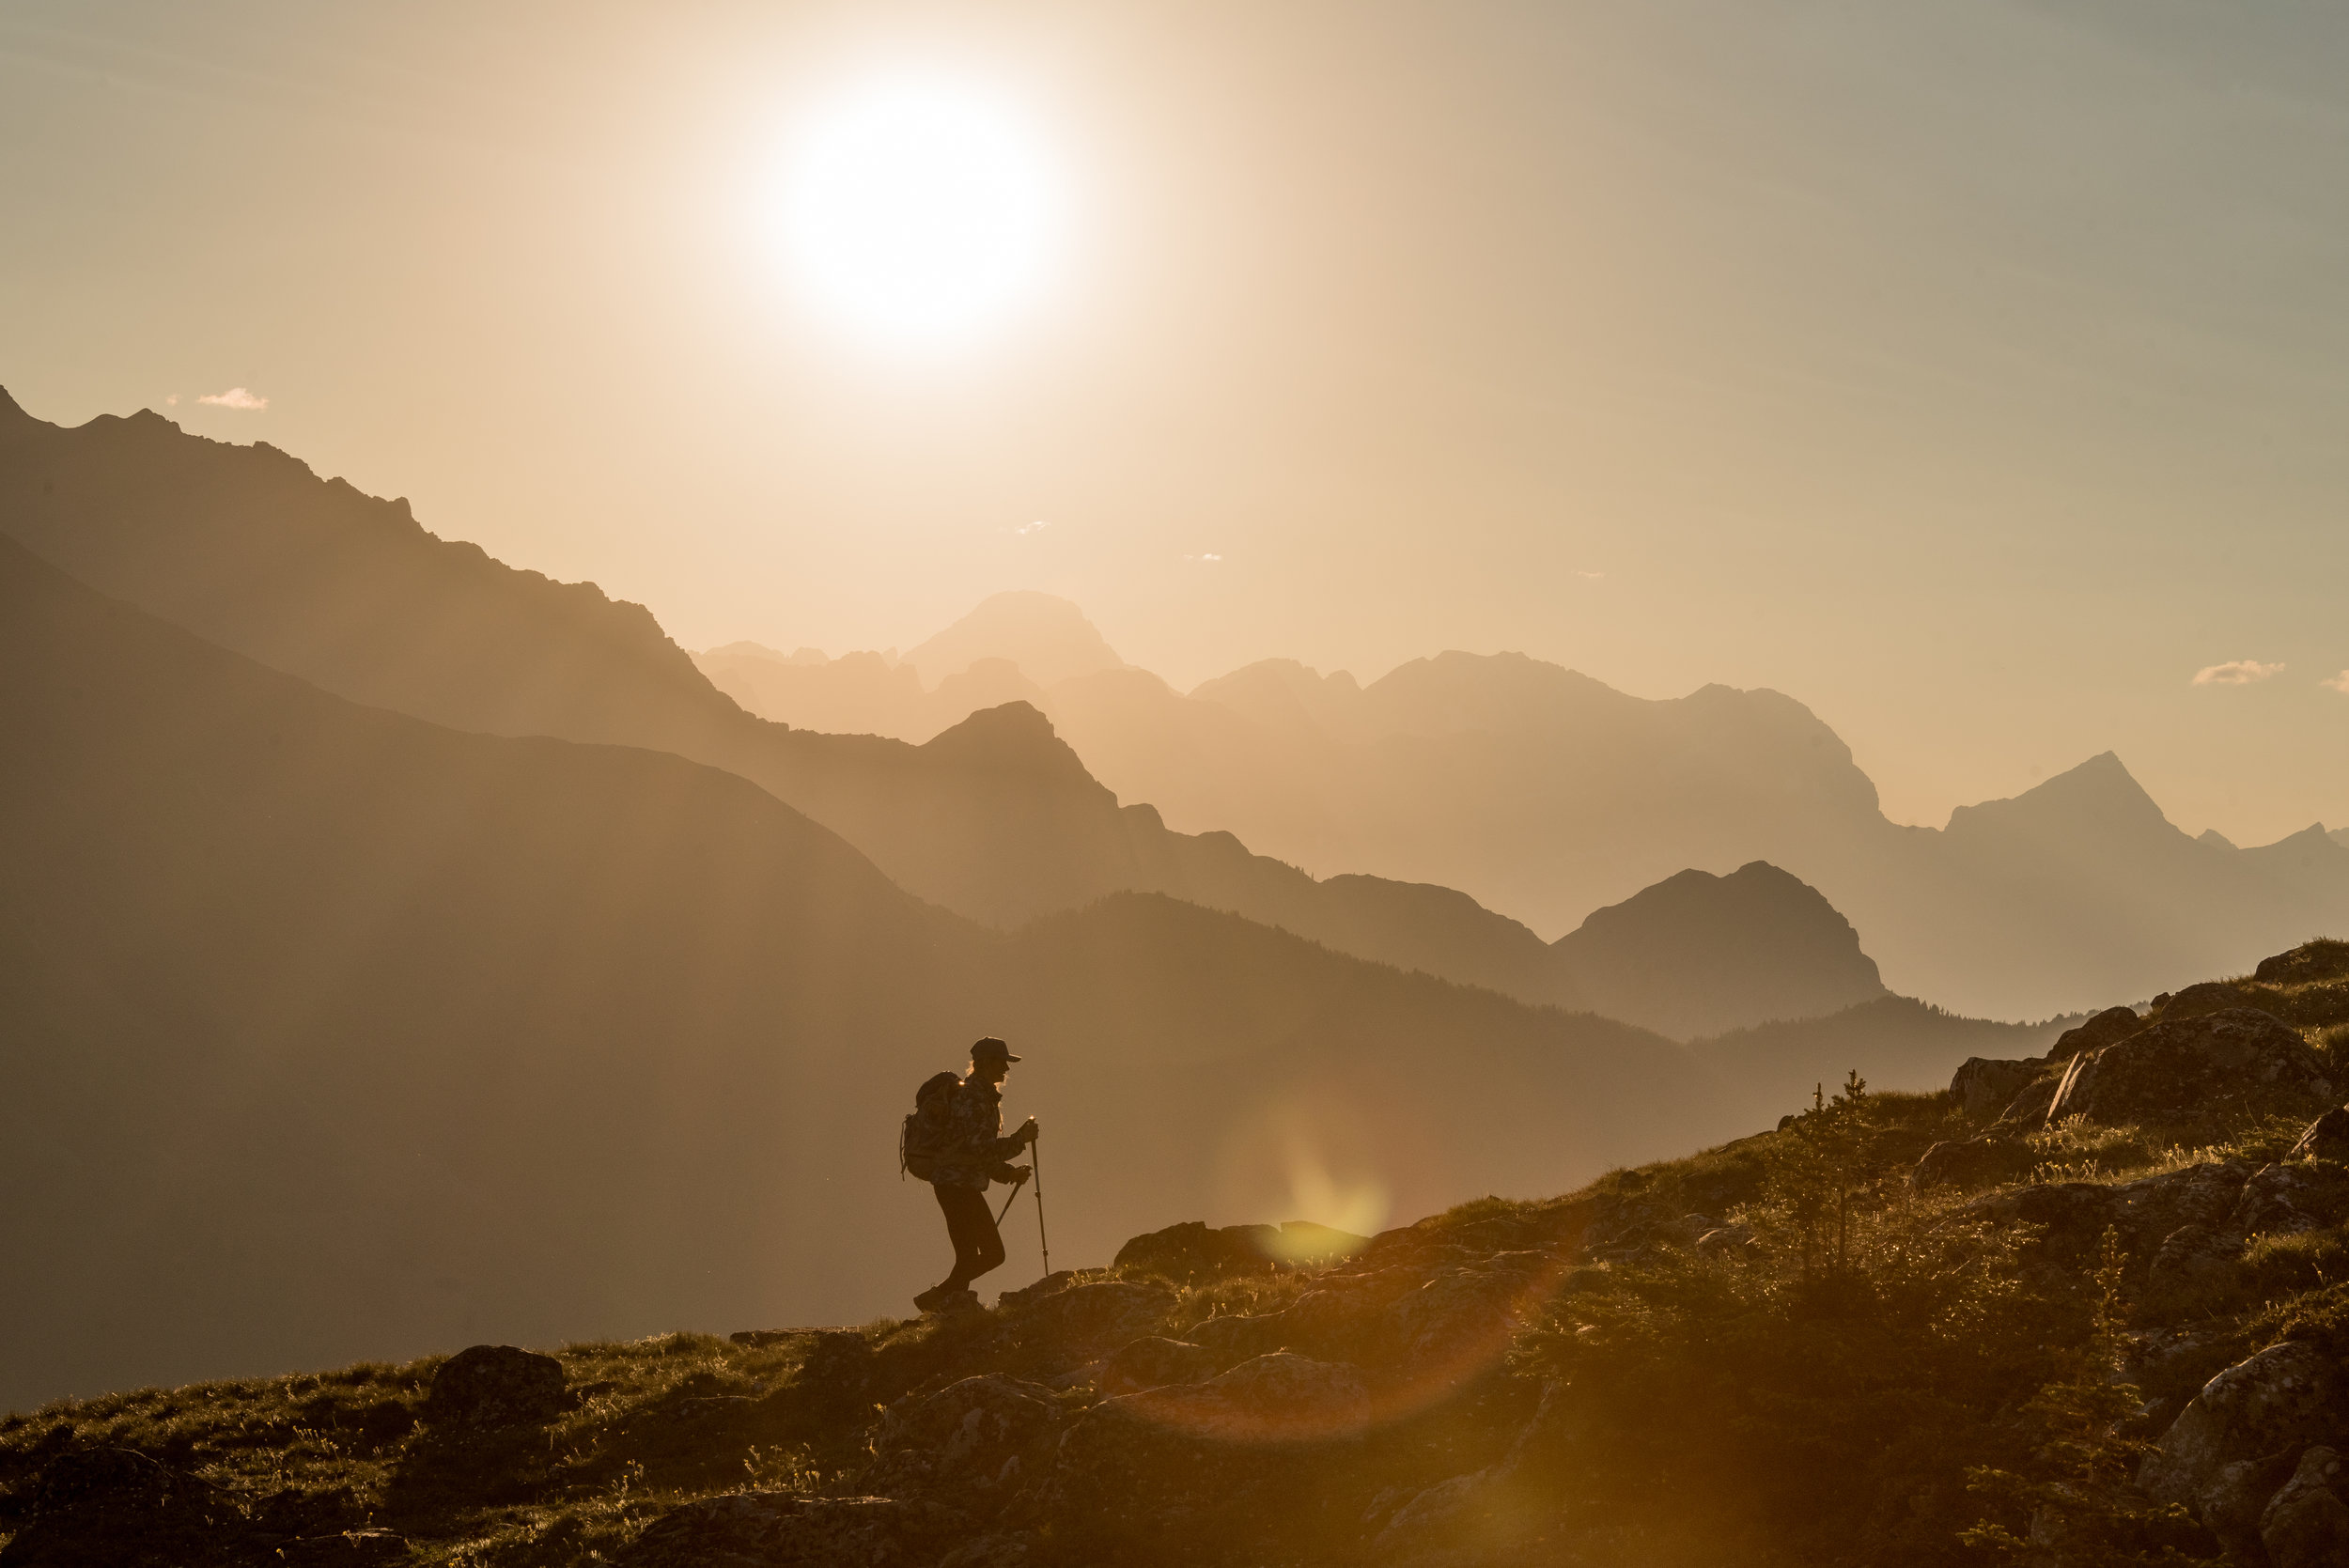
{"x":2100,"y":793}
{"x":1046,"y":636}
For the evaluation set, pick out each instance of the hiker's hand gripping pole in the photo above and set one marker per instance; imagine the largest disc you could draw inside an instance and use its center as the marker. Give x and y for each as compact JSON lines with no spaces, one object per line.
{"x":1012,"y":1198}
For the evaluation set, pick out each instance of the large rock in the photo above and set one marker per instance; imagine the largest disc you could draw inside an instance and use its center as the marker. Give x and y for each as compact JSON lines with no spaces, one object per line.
{"x":2192,"y":1070}
{"x":2287,"y":1394}
{"x":1083,"y":1320}
{"x":2236,"y":1497}
{"x":2323,"y":959}
{"x":1984,"y":1084}
{"x":2152,"y":1208}
{"x":976,"y":1443}
{"x":2305,"y":1524}
{"x":495,"y":1385}
{"x":784,"y":1529}
{"x":1282,"y":1397}
{"x":2291,"y":1199}
{"x":2190,"y":1256}
{"x":2108,"y":1028}
{"x":1191,"y":1251}
{"x":2327,"y":1138}
{"x":116,"y":1506}
{"x":1154,"y":1362}
{"x":2209,"y":995}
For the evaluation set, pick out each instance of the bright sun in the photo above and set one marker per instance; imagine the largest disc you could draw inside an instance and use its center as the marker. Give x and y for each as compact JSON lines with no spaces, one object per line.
{"x":921,"y":211}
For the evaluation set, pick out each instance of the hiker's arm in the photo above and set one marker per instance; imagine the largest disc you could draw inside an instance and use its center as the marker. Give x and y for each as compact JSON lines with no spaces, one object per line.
{"x":1003,"y":1148}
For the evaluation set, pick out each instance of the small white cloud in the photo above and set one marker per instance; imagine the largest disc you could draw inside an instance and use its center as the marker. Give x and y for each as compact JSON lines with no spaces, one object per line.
{"x":1208,"y":557}
{"x":2338,"y":683}
{"x":2235,"y":671}
{"x":1037,"y":527}
{"x":1593,"y":576}
{"x":172,"y":401}
{"x":235,"y":397}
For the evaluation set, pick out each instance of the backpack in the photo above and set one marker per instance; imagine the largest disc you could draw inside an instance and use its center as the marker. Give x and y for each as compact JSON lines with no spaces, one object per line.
{"x":927,"y":1137}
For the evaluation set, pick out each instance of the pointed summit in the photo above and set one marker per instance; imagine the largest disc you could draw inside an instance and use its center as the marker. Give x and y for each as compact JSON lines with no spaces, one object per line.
{"x":1049,"y":638}
{"x":2099,"y":800}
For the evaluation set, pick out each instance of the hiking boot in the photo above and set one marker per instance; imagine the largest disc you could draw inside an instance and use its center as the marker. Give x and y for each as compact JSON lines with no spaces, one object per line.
{"x":933,"y":1298}
{"x":964,"y":1300}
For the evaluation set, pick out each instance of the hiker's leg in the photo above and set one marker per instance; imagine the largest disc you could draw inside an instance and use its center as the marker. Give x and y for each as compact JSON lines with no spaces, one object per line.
{"x":991,"y":1242}
{"x":973,"y":1231}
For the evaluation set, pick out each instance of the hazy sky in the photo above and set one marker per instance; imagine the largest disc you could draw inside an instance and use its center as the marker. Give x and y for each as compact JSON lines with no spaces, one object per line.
{"x":1975,"y":372}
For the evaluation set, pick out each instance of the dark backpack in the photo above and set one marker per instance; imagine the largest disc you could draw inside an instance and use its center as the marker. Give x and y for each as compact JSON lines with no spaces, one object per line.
{"x":927,"y":1135}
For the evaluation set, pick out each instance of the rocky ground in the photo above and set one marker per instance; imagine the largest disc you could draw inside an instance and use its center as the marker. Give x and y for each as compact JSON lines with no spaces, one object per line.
{"x":2088,"y":1308}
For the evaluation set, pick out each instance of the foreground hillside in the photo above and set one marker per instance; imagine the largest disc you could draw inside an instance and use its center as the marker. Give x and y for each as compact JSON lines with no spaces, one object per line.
{"x":2083,"y":1310}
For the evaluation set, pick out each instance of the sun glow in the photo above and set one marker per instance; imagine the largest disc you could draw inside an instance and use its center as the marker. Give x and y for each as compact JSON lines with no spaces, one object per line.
{"x":921,"y":211}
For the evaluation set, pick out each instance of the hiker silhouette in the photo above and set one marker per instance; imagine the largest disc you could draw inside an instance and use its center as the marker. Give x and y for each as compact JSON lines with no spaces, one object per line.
{"x":954,"y":1140}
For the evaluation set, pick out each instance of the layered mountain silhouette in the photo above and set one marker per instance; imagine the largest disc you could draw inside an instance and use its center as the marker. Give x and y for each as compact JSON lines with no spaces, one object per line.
{"x":994,"y":817}
{"x":329,"y":1029}
{"x":1542,"y":793}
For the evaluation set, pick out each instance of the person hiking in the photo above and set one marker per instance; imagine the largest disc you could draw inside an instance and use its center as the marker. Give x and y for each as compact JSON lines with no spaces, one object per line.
{"x":965,"y":1150}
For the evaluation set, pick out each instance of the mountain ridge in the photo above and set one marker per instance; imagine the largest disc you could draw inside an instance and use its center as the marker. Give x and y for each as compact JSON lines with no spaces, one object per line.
{"x":995,"y":816}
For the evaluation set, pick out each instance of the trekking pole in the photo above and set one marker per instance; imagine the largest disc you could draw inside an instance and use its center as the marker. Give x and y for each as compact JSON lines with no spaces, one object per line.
{"x":1036,"y":1164}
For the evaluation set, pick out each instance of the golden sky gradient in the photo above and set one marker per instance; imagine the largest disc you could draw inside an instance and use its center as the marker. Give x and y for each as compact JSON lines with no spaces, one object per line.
{"x":1977,"y":373}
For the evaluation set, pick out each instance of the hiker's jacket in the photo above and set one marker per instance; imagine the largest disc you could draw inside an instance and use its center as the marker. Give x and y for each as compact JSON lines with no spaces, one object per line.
{"x":975,"y":1147}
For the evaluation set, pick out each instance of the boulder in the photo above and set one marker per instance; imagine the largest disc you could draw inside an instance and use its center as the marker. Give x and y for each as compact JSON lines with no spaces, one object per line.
{"x":2210,"y":995}
{"x":2232,"y":1500}
{"x":1462,"y":1315}
{"x":2028,"y":1110}
{"x":1432,"y":1515}
{"x":1191,"y":1252}
{"x":1028,"y":1296}
{"x":117,"y":1506}
{"x":2327,"y":1138}
{"x":2188,"y":1256}
{"x":2305,"y":1524}
{"x":1304,"y":1244}
{"x":1083,"y":1320}
{"x":1972,"y":1162}
{"x":2287,"y":1394}
{"x":1238,"y":1335}
{"x":495,"y":1385}
{"x":2231,"y":1060}
{"x":1984,"y":1084}
{"x":1153,"y":1363}
{"x":1283,"y":1397}
{"x":975,"y":1443}
{"x":2108,"y":1028}
{"x":2154,"y":1207}
{"x":2291,"y":1199}
{"x":784,"y":1529}
{"x":2324,"y":959}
